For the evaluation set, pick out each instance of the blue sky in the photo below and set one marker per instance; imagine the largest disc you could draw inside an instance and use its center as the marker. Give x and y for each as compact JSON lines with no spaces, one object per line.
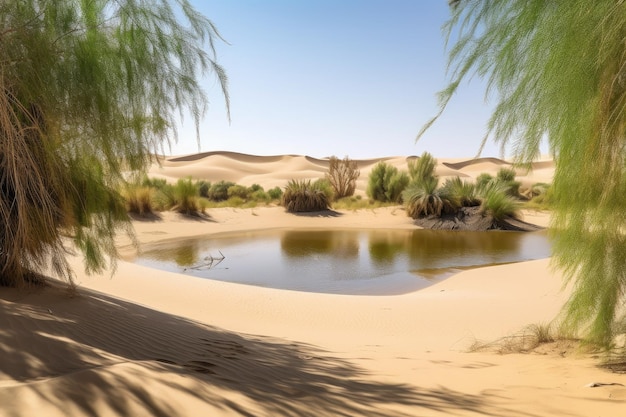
{"x":353,"y":78}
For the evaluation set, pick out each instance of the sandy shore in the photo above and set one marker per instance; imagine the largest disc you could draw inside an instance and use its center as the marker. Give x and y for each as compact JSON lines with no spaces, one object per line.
{"x":152,"y":343}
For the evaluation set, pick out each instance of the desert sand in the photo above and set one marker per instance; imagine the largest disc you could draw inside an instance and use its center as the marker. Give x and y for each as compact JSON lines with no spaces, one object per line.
{"x":144,"y":342}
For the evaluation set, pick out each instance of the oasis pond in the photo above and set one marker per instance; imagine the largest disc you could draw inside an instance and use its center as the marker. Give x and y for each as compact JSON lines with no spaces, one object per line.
{"x":357,"y":262}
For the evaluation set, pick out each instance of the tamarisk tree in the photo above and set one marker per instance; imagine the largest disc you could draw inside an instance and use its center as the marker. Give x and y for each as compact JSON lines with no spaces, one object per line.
{"x":88,"y":90}
{"x":558,"y":71}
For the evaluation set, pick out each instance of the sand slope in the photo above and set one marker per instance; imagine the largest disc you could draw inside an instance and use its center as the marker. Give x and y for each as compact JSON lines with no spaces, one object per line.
{"x":152,"y":343}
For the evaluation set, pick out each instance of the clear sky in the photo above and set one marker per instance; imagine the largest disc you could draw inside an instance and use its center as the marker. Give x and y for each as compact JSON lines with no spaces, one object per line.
{"x":353,"y":78}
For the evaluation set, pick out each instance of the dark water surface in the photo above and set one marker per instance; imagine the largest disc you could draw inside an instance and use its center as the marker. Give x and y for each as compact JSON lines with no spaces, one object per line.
{"x":376,"y":262}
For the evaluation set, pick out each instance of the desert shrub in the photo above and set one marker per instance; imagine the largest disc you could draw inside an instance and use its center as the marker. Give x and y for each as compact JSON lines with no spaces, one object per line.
{"x":376,"y":188}
{"x":354,"y":202}
{"x":219,"y":190}
{"x":163,"y":198}
{"x":323,"y":185}
{"x":512,"y":188}
{"x":235,"y":201}
{"x":386,"y":183}
{"x":395,"y":185}
{"x":237,"y":191}
{"x":259,"y":195}
{"x":524,"y":341}
{"x":482,"y":180}
{"x":186,"y":199}
{"x":203,"y":188}
{"x":497,"y":203}
{"x":254,"y":188}
{"x":275,"y":193}
{"x":422,"y":169}
{"x":304,"y":196}
{"x":342,"y":175}
{"x":506,"y":174}
{"x":462,"y":192}
{"x":156,"y":183}
{"x":542,"y":333}
{"x":424,"y":199}
{"x":138,"y":199}
{"x":182,"y":197}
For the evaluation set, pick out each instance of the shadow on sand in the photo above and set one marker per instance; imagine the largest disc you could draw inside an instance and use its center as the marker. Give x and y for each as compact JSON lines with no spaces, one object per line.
{"x":46,"y":335}
{"x":321,"y":213}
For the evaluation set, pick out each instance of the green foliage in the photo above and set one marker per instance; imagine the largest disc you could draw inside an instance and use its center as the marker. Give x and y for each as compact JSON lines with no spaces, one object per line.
{"x":512,"y":188}
{"x":376,"y":187}
{"x":497,"y":203}
{"x":164,"y":197}
{"x":254,"y":188}
{"x":88,"y":90}
{"x":203,"y":188}
{"x":324,"y":185}
{"x":422,"y":169}
{"x":229,"y":194}
{"x":506,"y":177}
{"x":506,"y":174}
{"x":238,"y":191}
{"x":304,"y":196}
{"x":423,"y":200}
{"x":219,"y":190}
{"x":183,"y":196}
{"x":462,"y":193}
{"x":342,"y":175}
{"x":556,"y":69}
{"x":260,"y":195}
{"x":235,"y":201}
{"x":157,"y":183}
{"x":386,"y":183}
{"x":186,"y":199}
{"x":275,"y":193}
{"x":483,"y":179}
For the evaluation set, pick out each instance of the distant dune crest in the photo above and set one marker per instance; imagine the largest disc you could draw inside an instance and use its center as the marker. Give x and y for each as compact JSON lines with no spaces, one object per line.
{"x":278,"y":170}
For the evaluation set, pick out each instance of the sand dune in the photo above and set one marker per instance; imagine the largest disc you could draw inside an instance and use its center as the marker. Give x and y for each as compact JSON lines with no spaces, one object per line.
{"x":277,"y":170}
{"x":152,"y":343}
{"x":480,"y":163}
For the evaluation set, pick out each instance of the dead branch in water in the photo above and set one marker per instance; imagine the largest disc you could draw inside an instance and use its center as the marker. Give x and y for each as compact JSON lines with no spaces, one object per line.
{"x":210,"y":261}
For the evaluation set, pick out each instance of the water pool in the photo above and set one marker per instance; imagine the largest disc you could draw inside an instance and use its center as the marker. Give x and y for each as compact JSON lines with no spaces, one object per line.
{"x":373,"y":262}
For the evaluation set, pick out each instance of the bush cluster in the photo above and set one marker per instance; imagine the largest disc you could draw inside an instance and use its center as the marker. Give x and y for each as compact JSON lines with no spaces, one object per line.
{"x":386,"y":183}
{"x":419,"y":190}
{"x":191,"y":197}
{"x":497,"y":197}
{"x":306,"y":196}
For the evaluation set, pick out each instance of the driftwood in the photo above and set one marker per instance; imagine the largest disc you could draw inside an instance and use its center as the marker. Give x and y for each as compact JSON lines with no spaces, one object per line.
{"x":209,"y":262}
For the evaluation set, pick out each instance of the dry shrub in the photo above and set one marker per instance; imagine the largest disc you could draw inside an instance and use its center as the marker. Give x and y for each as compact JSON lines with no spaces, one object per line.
{"x":342,"y":175}
{"x":139,"y":200}
{"x":535,"y":338}
{"x":304,"y":196}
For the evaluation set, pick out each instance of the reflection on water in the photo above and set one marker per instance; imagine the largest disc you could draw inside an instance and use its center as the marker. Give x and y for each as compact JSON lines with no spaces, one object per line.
{"x":344,"y":261}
